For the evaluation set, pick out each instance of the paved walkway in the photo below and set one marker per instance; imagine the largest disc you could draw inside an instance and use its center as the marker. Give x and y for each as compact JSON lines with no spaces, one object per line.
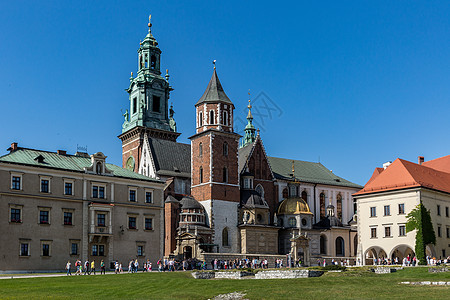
{"x":19,"y":276}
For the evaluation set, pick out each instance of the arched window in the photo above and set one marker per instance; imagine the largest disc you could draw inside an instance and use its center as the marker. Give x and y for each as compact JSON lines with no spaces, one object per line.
{"x":153,"y":62}
{"x":323,"y":244}
{"x":200,"y":149}
{"x":146,"y":60}
{"x":293,"y":190}
{"x":305,"y":196}
{"x":260,"y":190}
{"x":200,"y":119}
{"x":225,"y":118}
{"x":225,"y":174}
{"x":340,"y":250}
{"x":99,"y":168}
{"x":322,"y":205}
{"x":200,"y":175}
{"x":339,"y":206}
{"x":355,"y":245}
{"x":211,"y":117}
{"x":285,"y":193}
{"x":225,"y":149}
{"x":225,"y":237}
{"x":292,"y":222}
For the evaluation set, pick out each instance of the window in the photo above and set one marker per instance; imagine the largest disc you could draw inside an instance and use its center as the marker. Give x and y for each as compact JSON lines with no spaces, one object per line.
{"x":44,"y":217}
{"x":200,"y":149}
{"x":323,"y":244}
{"x":45,"y":186}
{"x":401,"y":209}
{"x":292,"y":222}
{"x":74,"y":249}
{"x":402,"y":230}
{"x":446,"y":211}
{"x":373,"y":233}
{"x":156,"y":104}
{"x":439,"y":231}
{"x":373,"y":212}
{"x":132,"y":222}
{"x":24,"y":249}
{"x":200,"y":175}
{"x":15,"y":185}
{"x":98,"y":250}
{"x":101,"y":220}
{"x":339,"y":206}
{"x":340,"y":248}
{"x":448,"y":232}
{"x":134,"y":105}
{"x":387,"y":231}
{"x":67,"y":218}
{"x":153,"y":62}
{"x":200,"y":119}
{"x":140,"y":250}
{"x":132,"y":196}
{"x":148,"y":224}
{"x":98,"y":192}
{"x":68,"y":188}
{"x":211,"y":117}
{"x":260,"y":190}
{"x":99,"y":168}
{"x":438,"y":210}
{"x":355,"y":206}
{"x":15,"y":215}
{"x":225,"y":242}
{"x":45,"y":249}
{"x":225,"y":118}
{"x":322,"y":205}
{"x":387,"y":210}
{"x":148,"y":197}
{"x":225,"y":175}
{"x":305,"y":196}
{"x":293,"y":190}
{"x":225,"y":149}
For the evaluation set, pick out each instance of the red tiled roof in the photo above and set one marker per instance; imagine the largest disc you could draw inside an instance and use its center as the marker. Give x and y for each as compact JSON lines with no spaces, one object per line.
{"x":440,"y":164}
{"x":403,"y":174}
{"x":376,"y":172}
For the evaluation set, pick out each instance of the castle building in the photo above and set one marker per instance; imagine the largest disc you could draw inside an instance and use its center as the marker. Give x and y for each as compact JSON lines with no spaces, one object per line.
{"x":59,"y":207}
{"x":390,"y":195}
{"x":224,"y":195}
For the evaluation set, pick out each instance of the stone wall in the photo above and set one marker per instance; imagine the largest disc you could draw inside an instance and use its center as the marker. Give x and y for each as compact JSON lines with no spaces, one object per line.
{"x":287,"y":274}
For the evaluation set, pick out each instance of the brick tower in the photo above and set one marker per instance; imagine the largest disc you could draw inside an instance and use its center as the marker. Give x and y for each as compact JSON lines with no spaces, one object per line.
{"x":214,"y":159}
{"x":148,"y":114}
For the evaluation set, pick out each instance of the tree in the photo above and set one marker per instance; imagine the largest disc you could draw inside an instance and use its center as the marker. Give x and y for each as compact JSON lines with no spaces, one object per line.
{"x":420,"y":219}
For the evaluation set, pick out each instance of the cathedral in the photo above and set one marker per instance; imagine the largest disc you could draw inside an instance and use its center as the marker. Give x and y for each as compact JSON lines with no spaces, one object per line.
{"x":224,"y":196}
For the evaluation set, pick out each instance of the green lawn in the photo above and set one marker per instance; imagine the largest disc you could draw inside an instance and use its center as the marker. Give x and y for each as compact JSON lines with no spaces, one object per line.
{"x":353,"y":284}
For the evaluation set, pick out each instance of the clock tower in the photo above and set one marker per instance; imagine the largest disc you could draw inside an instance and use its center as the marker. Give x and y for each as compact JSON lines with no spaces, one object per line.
{"x":148,"y":114}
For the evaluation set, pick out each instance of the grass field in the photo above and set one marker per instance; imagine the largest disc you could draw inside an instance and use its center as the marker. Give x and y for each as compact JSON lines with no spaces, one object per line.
{"x":352,"y":284}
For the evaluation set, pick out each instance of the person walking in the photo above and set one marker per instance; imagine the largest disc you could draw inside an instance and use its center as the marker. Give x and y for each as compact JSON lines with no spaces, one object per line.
{"x":86,"y":267}
{"x":93,"y":266}
{"x":68,"y":268}
{"x":102,"y":267}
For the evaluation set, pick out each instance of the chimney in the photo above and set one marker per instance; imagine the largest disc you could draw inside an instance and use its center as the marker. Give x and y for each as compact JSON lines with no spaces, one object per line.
{"x":61,"y":152}
{"x":13,"y":147}
{"x":387,"y":164}
{"x":421,"y":160}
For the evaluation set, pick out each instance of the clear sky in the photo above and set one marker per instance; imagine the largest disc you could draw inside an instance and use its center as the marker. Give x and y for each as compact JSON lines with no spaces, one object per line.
{"x":354,"y":83}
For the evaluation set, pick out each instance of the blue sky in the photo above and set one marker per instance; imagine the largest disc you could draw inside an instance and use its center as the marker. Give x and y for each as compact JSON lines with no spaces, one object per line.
{"x":355,"y":83}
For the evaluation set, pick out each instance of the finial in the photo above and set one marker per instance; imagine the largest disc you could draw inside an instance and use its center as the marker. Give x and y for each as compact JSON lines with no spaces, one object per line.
{"x":249,"y":106}
{"x":131,"y":74}
{"x":293,"y":169}
{"x":214,"y":63}
{"x":150,"y":23}
{"x":167,"y":74}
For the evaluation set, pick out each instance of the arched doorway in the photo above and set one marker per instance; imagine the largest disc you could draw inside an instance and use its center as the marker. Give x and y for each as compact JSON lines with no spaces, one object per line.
{"x":340,"y":246}
{"x":372,"y":253}
{"x":323,"y":245}
{"x":401,"y":251}
{"x":187,"y":252}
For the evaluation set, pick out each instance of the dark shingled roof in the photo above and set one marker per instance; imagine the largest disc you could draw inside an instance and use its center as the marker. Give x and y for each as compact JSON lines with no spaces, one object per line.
{"x":189,"y":202}
{"x":251,"y":198}
{"x":306,"y":171}
{"x":214,"y":92}
{"x":171,"y":158}
{"x":328,"y":222}
{"x":243,"y":155}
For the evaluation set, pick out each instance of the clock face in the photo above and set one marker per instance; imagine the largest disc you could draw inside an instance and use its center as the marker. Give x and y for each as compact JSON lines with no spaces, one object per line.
{"x":130,"y":163}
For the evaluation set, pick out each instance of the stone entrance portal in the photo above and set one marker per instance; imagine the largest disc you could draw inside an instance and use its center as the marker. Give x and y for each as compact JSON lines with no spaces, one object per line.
{"x":300,"y":249}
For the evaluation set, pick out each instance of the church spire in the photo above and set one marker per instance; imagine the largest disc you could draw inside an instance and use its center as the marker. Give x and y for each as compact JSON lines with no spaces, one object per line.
{"x":250,"y":131}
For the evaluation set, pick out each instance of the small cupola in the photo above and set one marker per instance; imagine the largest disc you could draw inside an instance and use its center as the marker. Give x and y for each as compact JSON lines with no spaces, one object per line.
{"x":98,"y":165}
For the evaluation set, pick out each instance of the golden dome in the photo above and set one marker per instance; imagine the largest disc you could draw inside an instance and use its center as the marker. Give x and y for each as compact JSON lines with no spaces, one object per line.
{"x":293,"y":206}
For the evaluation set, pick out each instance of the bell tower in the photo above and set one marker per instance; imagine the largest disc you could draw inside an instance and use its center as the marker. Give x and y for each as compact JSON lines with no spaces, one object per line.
{"x":214,"y":160}
{"x":148,"y":112}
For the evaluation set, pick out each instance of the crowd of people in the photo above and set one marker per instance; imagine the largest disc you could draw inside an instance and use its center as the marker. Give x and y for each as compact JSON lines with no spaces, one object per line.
{"x":88,"y":267}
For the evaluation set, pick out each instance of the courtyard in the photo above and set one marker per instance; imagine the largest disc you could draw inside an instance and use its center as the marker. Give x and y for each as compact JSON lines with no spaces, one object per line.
{"x":354,"y":283}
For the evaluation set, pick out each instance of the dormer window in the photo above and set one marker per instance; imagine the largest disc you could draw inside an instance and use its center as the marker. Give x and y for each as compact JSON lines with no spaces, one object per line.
{"x":98,"y":168}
